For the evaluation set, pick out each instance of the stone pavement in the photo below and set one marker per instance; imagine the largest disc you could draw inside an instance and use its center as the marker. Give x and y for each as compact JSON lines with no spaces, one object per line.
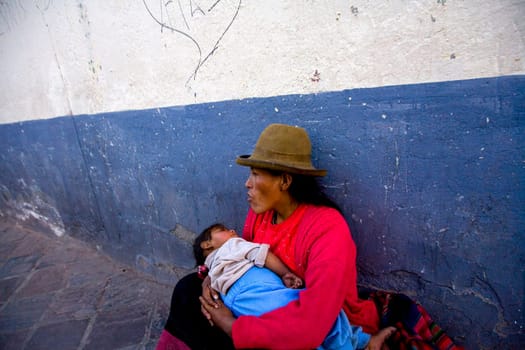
{"x":58,"y":293}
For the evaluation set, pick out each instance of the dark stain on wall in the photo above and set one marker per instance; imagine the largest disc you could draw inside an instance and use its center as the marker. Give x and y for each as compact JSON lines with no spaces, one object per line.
{"x":430,"y":178}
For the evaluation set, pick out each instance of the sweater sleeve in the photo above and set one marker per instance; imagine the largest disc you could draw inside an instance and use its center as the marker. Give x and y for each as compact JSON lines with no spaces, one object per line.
{"x":325,"y":251}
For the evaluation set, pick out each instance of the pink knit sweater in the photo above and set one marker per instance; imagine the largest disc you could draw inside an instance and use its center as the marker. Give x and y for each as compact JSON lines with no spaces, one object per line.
{"x":325,"y":257}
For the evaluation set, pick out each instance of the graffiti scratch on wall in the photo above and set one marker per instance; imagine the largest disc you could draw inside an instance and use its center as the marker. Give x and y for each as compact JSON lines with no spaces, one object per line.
{"x":204,"y":23}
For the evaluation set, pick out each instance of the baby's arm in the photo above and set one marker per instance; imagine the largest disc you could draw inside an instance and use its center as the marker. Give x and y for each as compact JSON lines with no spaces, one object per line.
{"x":275,"y":264}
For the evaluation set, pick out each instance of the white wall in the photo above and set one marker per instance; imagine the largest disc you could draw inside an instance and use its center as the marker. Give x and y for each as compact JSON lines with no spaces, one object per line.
{"x":74,"y":57}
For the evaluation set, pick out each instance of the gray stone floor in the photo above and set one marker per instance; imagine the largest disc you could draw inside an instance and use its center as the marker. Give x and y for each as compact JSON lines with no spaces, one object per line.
{"x":58,"y":293}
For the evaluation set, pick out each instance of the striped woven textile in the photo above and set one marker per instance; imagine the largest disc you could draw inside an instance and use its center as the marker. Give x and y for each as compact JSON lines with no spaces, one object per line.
{"x":415,"y":327}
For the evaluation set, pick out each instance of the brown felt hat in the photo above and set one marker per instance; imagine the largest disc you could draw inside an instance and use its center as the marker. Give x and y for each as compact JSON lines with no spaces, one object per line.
{"x":285,"y":148}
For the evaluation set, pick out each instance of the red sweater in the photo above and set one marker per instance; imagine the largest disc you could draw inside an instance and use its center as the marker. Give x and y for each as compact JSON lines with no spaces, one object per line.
{"x":325,"y":257}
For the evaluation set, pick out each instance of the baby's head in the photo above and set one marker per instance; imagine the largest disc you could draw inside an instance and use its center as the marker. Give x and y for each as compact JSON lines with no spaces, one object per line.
{"x":213,"y":237}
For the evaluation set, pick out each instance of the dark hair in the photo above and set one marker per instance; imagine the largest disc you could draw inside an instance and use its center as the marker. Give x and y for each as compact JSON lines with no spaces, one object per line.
{"x":204,"y":236}
{"x":306,"y":189}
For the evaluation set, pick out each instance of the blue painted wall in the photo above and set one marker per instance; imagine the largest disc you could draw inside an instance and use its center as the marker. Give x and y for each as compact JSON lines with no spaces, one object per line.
{"x":430,"y":177}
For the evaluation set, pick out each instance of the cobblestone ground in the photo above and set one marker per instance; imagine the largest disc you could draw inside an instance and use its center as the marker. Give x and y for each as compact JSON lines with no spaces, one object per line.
{"x":58,"y":293}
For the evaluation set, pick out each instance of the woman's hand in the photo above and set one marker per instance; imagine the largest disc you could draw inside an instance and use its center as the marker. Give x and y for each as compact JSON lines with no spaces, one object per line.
{"x":210,"y":296}
{"x":218,"y":315}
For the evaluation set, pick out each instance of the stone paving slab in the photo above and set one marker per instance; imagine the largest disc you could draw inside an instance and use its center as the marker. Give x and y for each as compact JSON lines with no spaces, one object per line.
{"x":59,"y":293}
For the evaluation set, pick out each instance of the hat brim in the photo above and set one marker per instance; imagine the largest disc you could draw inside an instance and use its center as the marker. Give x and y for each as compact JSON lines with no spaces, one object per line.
{"x":245,"y":160}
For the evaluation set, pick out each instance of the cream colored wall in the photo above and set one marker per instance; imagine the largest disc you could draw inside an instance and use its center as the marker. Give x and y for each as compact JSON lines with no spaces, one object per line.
{"x":74,"y":57}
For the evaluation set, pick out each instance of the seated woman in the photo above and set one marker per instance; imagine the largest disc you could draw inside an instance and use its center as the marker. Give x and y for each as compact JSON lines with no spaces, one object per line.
{"x":307,"y":231}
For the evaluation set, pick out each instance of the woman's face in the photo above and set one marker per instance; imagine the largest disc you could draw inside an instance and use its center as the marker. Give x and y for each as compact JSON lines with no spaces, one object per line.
{"x":264,"y":191}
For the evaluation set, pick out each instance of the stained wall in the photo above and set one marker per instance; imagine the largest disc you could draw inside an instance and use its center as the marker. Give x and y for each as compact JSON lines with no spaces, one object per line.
{"x":121,"y":124}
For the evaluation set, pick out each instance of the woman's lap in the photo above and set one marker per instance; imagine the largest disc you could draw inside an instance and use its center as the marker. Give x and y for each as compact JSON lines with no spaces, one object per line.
{"x":186,"y":321}
{"x":415,"y":327}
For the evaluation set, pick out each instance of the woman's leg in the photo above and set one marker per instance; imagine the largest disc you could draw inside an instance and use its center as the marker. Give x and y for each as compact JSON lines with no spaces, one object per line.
{"x":186,"y":321}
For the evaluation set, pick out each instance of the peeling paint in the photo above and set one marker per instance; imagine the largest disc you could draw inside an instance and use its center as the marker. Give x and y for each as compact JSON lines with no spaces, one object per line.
{"x":35,"y":205}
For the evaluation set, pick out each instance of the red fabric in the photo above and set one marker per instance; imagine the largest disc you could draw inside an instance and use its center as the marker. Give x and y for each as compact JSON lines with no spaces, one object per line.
{"x":281,"y":237}
{"x":429,"y":334}
{"x":415,"y":327}
{"x":325,"y":257}
{"x":169,"y":342}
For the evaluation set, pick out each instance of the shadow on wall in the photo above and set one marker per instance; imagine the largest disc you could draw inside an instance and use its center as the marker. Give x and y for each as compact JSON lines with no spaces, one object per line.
{"x":430,"y":178}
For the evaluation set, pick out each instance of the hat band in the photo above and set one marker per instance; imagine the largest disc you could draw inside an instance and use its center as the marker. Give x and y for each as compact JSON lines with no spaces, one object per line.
{"x":270,"y":156}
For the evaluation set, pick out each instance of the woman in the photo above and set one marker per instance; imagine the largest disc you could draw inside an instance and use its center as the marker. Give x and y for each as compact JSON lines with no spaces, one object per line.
{"x":307,"y":232}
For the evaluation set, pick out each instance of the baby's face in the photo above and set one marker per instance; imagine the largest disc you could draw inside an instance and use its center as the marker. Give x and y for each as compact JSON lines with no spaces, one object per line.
{"x":220,"y":236}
